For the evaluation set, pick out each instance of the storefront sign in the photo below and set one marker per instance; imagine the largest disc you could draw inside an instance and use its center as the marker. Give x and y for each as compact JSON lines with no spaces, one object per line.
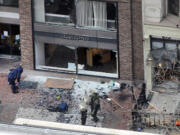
{"x":75,"y":37}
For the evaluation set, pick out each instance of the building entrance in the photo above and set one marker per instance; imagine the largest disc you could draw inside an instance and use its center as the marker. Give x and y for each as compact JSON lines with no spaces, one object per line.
{"x":9,"y":40}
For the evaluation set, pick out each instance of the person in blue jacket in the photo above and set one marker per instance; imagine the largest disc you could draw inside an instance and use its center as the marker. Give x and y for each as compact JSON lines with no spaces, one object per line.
{"x":13,"y":75}
{"x":11,"y":79}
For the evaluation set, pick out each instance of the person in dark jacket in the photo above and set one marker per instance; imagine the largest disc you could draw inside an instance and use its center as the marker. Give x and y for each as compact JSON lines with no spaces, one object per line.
{"x":11,"y":79}
{"x":13,"y":75}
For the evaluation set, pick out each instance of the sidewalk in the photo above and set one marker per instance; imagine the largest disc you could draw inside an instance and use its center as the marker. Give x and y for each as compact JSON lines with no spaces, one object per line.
{"x":32,"y":103}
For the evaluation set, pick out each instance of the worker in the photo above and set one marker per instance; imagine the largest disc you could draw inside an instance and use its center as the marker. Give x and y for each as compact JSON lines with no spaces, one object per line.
{"x":11,"y":79}
{"x":19,"y":72}
{"x":83,"y":110}
{"x":95,"y":105}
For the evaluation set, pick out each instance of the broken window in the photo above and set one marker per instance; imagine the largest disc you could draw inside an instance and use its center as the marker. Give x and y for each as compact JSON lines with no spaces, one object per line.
{"x":96,"y":14}
{"x":59,"y":11}
{"x":55,"y":57}
{"x":60,"y":56}
{"x":100,"y":62}
{"x":9,"y":3}
{"x":173,"y":7}
{"x":166,"y":62}
{"x":88,"y":61}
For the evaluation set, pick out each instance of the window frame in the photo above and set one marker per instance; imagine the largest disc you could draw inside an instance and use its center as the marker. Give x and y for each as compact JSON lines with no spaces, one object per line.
{"x":74,"y":23}
{"x":12,"y":6}
{"x":167,"y":8}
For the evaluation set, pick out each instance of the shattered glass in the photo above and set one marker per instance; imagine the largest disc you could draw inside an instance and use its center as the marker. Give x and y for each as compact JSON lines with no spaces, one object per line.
{"x":166,"y":57}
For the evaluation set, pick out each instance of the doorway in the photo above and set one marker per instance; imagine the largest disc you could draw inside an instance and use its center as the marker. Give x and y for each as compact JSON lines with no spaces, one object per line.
{"x":10,"y":40}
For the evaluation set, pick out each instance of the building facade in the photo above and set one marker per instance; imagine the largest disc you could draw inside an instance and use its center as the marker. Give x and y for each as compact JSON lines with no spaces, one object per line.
{"x":85,"y":37}
{"x":161,"y":41}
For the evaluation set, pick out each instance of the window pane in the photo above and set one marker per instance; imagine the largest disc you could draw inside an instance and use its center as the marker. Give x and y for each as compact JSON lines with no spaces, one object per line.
{"x":59,"y":11}
{"x":95,"y":14}
{"x":173,"y":7}
{"x":111,"y":15}
{"x":170,"y":46}
{"x":11,"y":3}
{"x":157,"y":45}
{"x":55,"y":57}
{"x":99,"y":62}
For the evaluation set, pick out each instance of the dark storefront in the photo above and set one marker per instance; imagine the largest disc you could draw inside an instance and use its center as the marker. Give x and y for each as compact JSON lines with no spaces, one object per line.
{"x":9,"y":39}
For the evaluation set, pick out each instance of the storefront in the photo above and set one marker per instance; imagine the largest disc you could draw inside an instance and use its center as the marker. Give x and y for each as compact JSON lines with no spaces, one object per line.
{"x":76,"y":37}
{"x":161,"y":56}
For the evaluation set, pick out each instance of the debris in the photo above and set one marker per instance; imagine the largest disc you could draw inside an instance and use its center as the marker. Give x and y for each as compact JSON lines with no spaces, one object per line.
{"x":116,"y":102}
{"x":177,"y":122}
{"x":28,"y":85}
{"x":63,"y":107}
{"x":152,"y":106}
{"x":58,"y":97}
{"x":123,"y":86}
{"x":111,"y":84}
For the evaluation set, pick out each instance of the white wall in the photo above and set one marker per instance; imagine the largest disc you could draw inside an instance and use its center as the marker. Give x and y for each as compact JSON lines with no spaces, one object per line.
{"x":9,"y":15}
{"x":154,"y":10}
{"x":39,"y":11}
{"x":40,"y":54}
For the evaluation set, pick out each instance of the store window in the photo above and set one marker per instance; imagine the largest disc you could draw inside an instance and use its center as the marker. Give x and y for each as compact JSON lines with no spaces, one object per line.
{"x":99,"y":62}
{"x":165,"y":60}
{"x":96,"y":14}
{"x":9,"y":3}
{"x":173,"y":7}
{"x":80,"y":60}
{"x":59,"y":11}
{"x":55,"y":57}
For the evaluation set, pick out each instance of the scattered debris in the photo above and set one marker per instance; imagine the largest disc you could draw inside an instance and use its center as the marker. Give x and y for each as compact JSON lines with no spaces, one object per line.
{"x":28,"y":85}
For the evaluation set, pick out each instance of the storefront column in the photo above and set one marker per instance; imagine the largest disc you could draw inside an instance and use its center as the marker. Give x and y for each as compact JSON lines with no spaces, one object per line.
{"x":147,"y":67}
{"x":39,"y":9}
{"x":40,"y":54}
{"x":27,"y":54}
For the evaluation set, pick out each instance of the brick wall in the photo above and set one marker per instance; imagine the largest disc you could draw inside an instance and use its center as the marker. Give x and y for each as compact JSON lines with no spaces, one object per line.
{"x":26,"y":34}
{"x":130,"y":40}
{"x":125,"y":41}
{"x":138,"y":59}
